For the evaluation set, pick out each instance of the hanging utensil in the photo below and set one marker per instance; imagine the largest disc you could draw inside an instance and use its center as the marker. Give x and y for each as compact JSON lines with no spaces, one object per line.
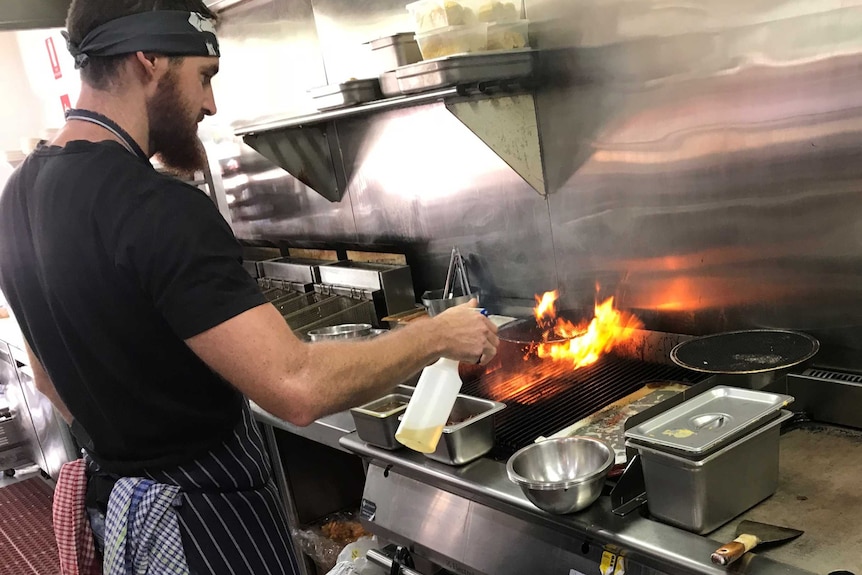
{"x":461,"y":271}
{"x":446,"y":293}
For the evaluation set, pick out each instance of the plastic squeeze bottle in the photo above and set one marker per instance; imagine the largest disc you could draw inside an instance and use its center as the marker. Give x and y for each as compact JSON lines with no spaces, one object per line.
{"x":430,"y":406}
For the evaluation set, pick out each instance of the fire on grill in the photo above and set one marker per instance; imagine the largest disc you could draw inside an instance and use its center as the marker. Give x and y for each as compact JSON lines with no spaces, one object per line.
{"x":553,"y":370}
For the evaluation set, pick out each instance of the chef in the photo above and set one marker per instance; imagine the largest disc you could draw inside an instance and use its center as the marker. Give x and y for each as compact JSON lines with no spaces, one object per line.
{"x":143,"y":328}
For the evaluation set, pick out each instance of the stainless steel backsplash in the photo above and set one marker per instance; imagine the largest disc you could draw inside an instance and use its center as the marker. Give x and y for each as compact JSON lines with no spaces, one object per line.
{"x":703,"y":159}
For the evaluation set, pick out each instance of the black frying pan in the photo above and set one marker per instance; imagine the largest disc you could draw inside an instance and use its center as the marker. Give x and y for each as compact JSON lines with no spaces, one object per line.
{"x":520,"y":339}
{"x":746,"y":352}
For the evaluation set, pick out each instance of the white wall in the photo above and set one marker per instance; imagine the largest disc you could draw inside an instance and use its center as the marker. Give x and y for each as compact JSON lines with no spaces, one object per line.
{"x":20,"y":114}
{"x":30,"y":103}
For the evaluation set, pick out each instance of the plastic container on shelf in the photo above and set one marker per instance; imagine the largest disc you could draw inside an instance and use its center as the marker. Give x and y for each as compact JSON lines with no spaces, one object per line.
{"x":430,"y":15}
{"x":453,"y":40}
{"x":430,"y":406}
{"x":508,"y":35}
{"x":495,"y":11}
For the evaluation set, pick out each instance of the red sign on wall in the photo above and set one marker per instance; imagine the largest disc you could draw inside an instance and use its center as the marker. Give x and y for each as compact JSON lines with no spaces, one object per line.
{"x":52,"y":56}
{"x":64,"y":100}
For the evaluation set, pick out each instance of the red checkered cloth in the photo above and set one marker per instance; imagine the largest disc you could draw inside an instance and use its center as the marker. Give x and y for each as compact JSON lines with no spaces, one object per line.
{"x":71,"y":523}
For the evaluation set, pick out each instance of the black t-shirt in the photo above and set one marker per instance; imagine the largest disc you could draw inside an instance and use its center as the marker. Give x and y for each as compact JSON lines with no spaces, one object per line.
{"x":108,"y":266}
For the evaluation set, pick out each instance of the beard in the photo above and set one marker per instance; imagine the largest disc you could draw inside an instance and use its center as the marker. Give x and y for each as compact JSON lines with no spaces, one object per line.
{"x":174,"y":129}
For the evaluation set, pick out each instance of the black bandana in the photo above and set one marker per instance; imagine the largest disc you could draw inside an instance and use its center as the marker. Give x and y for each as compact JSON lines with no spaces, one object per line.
{"x":170,"y":32}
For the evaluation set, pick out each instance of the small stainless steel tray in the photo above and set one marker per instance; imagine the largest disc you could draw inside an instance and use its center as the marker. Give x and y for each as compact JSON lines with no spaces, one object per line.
{"x":709,"y":420}
{"x":378,"y":426}
{"x":296,"y":270}
{"x":346,"y":94}
{"x":465,"y":69}
{"x":472,"y":436}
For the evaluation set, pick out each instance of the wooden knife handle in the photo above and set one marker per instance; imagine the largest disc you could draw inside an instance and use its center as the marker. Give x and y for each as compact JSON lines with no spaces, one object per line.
{"x":729,"y":553}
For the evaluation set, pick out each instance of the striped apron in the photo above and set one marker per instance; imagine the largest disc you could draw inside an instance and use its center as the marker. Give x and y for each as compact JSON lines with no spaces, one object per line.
{"x":231,"y":519}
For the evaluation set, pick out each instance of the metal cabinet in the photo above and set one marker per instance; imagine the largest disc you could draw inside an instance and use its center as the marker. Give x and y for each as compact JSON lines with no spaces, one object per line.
{"x":49,"y":441}
{"x":54,"y":439}
{"x":18,"y":405}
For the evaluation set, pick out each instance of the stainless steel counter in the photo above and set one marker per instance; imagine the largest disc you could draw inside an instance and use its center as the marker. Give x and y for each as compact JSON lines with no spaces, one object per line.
{"x":648,"y":543}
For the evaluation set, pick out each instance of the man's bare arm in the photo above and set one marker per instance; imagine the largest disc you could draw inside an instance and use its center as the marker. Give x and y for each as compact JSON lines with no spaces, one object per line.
{"x":258,"y":353}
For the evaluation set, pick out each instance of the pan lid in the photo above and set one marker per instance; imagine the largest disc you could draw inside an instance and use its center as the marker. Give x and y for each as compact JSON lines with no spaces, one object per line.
{"x":745,"y":352}
{"x":709,"y":420}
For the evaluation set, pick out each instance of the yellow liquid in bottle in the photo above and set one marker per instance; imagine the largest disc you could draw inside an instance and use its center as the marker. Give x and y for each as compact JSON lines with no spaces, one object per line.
{"x":421,"y":440}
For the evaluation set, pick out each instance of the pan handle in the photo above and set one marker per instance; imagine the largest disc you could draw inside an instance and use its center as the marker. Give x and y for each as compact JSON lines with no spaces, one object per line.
{"x":727,"y":554}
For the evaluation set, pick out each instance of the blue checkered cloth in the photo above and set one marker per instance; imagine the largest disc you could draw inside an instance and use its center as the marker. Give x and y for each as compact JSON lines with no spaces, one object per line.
{"x":142,"y":534}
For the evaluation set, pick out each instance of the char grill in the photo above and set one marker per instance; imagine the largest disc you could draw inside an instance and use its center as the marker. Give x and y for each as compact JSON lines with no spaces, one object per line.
{"x":544,"y":397}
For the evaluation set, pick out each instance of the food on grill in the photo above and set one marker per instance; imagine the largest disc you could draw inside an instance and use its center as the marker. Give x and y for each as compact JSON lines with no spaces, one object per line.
{"x":343,"y":532}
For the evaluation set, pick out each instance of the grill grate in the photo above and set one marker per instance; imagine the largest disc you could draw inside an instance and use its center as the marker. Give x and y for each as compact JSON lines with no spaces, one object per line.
{"x":546,"y":398}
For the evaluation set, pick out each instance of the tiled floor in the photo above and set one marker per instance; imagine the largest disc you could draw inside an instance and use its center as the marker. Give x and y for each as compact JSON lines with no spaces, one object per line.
{"x":27,"y":545}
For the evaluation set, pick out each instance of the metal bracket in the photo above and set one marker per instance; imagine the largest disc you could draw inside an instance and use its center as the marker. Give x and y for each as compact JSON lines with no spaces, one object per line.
{"x":629,"y":492}
{"x":310,"y":153}
{"x":507,"y":125}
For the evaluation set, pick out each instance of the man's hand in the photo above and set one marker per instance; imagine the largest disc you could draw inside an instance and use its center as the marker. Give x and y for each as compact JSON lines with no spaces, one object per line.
{"x":466,"y":334}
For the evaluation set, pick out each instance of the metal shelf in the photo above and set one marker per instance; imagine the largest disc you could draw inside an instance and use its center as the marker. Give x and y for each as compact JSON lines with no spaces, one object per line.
{"x":376,"y":106}
{"x":307,"y":146}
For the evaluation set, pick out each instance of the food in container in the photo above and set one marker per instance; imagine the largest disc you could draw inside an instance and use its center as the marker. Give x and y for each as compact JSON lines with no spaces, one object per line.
{"x":377,"y":421}
{"x":498,"y":12}
{"x":453,"y":40}
{"x":432,"y":14}
{"x":508,"y":35}
{"x":469,"y":431}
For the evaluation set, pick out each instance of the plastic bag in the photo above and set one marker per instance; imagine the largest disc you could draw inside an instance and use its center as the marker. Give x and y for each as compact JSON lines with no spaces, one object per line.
{"x":355,"y":553}
{"x":323,"y":542}
{"x":343,"y":568}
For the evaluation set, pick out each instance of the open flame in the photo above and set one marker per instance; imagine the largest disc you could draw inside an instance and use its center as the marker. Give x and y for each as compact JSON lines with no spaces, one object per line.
{"x":584,"y":344}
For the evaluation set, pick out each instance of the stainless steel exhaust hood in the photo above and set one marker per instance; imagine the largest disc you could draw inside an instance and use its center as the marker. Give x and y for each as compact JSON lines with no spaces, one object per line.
{"x":24,"y":14}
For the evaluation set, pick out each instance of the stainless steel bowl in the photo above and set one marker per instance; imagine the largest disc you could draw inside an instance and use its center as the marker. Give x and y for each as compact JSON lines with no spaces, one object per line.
{"x":562,"y":475}
{"x":435,"y":303}
{"x":343,"y":331}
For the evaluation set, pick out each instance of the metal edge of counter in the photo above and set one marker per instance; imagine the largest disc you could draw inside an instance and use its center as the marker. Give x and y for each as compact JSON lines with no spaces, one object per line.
{"x":653,"y":543}
{"x":322,"y":431}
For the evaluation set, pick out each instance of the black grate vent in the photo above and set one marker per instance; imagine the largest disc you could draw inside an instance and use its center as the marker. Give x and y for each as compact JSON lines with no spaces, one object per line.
{"x":833,"y":375}
{"x":544,"y":400}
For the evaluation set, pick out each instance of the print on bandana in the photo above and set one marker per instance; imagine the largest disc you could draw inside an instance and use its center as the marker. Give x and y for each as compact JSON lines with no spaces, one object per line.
{"x":200,"y":23}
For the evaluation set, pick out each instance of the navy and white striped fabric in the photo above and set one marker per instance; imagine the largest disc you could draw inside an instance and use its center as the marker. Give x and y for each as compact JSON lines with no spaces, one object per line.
{"x":141,"y":532}
{"x":231,"y":518}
